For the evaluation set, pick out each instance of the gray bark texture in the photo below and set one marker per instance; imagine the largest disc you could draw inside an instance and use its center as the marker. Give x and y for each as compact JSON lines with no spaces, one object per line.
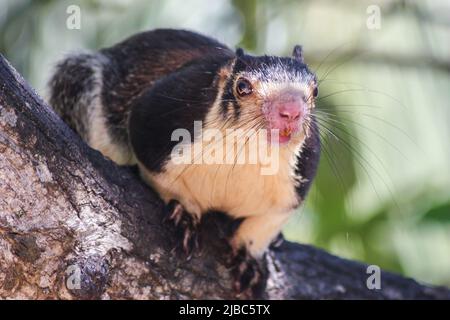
{"x":73,"y":225}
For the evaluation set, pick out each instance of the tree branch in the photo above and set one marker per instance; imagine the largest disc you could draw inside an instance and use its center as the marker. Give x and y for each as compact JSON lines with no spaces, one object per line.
{"x":68,"y":214}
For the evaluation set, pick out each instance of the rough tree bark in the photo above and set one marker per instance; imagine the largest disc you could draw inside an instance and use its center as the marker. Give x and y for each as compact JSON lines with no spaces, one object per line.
{"x":67,"y":213}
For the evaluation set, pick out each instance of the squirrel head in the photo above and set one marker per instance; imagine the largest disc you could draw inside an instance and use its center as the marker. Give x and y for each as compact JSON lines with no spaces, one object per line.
{"x":274,"y":93}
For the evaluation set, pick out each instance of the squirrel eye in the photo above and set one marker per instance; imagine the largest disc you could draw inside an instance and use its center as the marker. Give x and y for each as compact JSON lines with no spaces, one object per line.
{"x":315,"y":92}
{"x":243,"y":87}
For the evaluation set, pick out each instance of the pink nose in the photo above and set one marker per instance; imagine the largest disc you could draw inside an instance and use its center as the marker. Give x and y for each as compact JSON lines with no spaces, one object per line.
{"x":291,"y":111}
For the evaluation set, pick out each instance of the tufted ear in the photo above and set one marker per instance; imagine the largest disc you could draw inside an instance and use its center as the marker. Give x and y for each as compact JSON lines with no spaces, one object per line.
{"x":297,"y":53}
{"x":240,"y":52}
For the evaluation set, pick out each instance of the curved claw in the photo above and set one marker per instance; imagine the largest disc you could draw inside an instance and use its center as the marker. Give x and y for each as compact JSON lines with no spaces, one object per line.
{"x":278,"y":241}
{"x":249,"y":275}
{"x":186,"y":225}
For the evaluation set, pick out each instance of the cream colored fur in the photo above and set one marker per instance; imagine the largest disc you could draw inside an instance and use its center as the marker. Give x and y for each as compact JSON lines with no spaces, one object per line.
{"x":239,"y":190}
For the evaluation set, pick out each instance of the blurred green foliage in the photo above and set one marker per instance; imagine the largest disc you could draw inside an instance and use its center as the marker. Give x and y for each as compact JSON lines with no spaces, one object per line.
{"x":382,"y":191}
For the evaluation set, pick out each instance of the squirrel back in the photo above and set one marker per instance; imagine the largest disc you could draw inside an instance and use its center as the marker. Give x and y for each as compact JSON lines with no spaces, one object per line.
{"x":93,"y":92}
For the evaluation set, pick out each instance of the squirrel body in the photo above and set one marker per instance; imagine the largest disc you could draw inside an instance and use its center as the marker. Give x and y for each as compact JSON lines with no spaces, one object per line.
{"x":127,"y":101}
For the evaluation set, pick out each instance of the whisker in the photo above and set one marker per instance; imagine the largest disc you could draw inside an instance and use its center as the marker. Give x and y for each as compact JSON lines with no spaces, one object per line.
{"x":360,"y":156}
{"x":337,"y":120}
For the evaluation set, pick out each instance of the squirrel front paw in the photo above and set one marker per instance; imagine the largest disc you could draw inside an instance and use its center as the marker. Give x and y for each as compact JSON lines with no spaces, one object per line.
{"x":186,"y":226}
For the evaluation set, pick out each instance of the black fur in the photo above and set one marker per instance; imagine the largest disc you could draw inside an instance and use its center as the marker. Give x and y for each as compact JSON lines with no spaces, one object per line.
{"x":297,"y":53}
{"x":249,"y":63}
{"x":141,"y":60}
{"x":228,"y":97}
{"x":173,"y":102}
{"x":308,"y":161}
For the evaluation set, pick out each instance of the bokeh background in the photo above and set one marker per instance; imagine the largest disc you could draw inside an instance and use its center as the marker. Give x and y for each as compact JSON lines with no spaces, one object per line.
{"x":382,"y":194}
